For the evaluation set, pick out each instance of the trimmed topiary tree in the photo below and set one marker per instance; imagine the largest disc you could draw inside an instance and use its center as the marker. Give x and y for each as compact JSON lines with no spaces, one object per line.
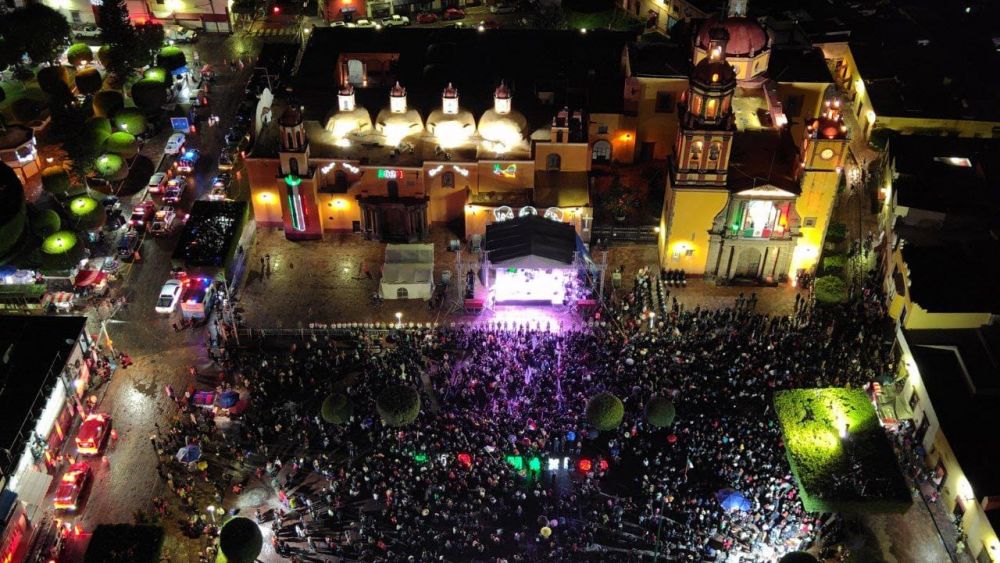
{"x":398,"y":405}
{"x":660,"y":412}
{"x":108,"y":102}
{"x":55,"y":180}
{"x":605,"y":411}
{"x":54,"y":81}
{"x":798,"y":557}
{"x":123,"y":144}
{"x":830,"y":290}
{"x":111,"y":167}
{"x":61,"y":251}
{"x":240,"y":540}
{"x":27,"y":110}
{"x":89,"y":81}
{"x":87,"y":213}
{"x":336,"y":409}
{"x":156,"y":73}
{"x":45,"y":222}
{"x":834,"y":264}
{"x":171,"y":58}
{"x":79,"y":53}
{"x":104,"y":55}
{"x":149,"y":95}
{"x":130,"y":120}
{"x":13,"y":210}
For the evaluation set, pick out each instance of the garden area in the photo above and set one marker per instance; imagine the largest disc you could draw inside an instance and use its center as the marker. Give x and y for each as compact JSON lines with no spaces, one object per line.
{"x":839,"y":453}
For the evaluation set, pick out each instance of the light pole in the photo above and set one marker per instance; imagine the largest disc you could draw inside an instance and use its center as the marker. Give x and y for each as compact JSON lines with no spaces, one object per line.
{"x":211,"y":512}
{"x":652,"y":318}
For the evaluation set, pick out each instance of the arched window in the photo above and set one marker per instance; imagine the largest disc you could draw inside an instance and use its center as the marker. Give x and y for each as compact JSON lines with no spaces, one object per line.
{"x":393,"y":187}
{"x":602,"y":151}
{"x":711,"y":108}
{"x":356,"y":72}
{"x":696,"y":150}
{"x":696,"y":104}
{"x":401,"y":293}
{"x":448,"y":179}
{"x":293,"y":166}
{"x":553,"y":162}
{"x":290,"y":140}
{"x":714,"y":150}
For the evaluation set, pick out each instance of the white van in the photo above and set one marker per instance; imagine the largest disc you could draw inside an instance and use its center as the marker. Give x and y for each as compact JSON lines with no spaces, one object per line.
{"x":175,"y":144}
{"x":179,"y":34}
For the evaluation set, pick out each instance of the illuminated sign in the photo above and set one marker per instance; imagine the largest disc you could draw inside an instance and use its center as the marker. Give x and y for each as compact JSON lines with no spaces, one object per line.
{"x":435,"y":171}
{"x":463,"y":171}
{"x":510,"y":171}
{"x":390,"y":174}
{"x":295,"y":203}
{"x":503,"y":213}
{"x":527,"y":210}
{"x":554,"y":213}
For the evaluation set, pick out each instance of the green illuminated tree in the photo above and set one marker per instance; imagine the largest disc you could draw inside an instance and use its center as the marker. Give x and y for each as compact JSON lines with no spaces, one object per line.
{"x":605,"y":411}
{"x":398,"y":405}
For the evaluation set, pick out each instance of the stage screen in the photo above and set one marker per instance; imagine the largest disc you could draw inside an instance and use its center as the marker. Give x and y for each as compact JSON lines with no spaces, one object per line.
{"x":522,"y":285}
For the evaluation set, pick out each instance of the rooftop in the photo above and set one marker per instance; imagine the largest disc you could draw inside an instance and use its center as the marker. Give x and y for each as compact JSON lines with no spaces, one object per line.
{"x":961,"y":372}
{"x":954,"y":278}
{"x":764,"y":157}
{"x":530,"y":235}
{"x":945,"y":174}
{"x":798,"y":64}
{"x":28,"y":347}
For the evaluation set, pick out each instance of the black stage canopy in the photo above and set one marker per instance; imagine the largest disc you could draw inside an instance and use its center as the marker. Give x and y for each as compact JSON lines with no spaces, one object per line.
{"x":530,"y":235}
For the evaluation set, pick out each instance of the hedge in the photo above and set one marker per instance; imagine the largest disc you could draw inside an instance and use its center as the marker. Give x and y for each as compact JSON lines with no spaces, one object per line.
{"x":398,"y":405}
{"x":830,"y":290}
{"x":660,"y":412}
{"x":838,"y":452}
{"x":125,"y":543}
{"x":336,"y":409}
{"x":89,"y":81}
{"x":240,"y":540}
{"x":605,"y":411}
{"x":79,"y":53}
{"x":107,"y":102}
{"x":834,"y":263}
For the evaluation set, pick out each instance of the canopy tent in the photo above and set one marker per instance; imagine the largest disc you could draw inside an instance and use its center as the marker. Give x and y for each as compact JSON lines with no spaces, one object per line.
{"x":86,"y":278}
{"x":188,"y":454}
{"x":408,"y":271}
{"x":732,"y":501}
{"x":536,"y":241}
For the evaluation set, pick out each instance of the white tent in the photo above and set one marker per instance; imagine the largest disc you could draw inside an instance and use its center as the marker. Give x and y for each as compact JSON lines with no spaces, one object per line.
{"x":408,"y":271}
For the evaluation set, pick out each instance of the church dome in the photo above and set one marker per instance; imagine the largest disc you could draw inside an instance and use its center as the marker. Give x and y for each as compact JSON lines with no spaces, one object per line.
{"x":291,"y":117}
{"x":746,"y":37}
{"x":503,"y":131}
{"x":717,"y":74}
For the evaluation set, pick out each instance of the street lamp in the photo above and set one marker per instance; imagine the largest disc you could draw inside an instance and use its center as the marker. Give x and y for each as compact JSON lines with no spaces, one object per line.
{"x":399,"y":319}
{"x":652,"y":317}
{"x":211,"y":511}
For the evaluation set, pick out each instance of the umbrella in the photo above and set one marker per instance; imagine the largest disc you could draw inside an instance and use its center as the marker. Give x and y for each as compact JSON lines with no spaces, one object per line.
{"x":228,"y":398}
{"x":188,"y":454}
{"x":89,"y":277}
{"x":732,"y":501}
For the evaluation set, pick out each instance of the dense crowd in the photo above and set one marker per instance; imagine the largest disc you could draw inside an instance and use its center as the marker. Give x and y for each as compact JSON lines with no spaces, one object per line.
{"x":502,"y":465}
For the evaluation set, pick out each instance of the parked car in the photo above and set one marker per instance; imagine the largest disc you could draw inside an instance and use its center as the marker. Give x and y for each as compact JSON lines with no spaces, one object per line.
{"x":454,"y":14}
{"x":220,"y":186}
{"x":175,"y":144}
{"x":72,"y":486}
{"x":489,"y":24}
{"x":426,"y":17}
{"x":89,"y":31}
{"x":157,"y":182}
{"x":503,"y":8}
{"x":395,"y":20}
{"x":363,"y":23}
{"x":225,"y":161}
{"x":141,"y":214}
{"x":338,"y":23}
{"x":163,"y":222}
{"x":179,"y":34}
{"x":175,"y":190}
{"x":93,"y":433}
{"x":170,"y":294}
{"x":185,"y":164}
{"x":128,"y":244}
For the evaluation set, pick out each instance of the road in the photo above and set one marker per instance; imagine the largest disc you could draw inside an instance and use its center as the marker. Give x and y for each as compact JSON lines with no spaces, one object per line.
{"x":126,"y":480}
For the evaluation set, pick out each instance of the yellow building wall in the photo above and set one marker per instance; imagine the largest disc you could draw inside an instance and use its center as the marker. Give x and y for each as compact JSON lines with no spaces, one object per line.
{"x":923,"y":126}
{"x":746,"y":67}
{"x":264,"y":194}
{"x":812,"y":103}
{"x":575,"y":156}
{"x":684,"y":226}
{"x":916,"y":316}
{"x":447,"y":204}
{"x":523,"y":175}
{"x":819,"y":193}
{"x":338,"y":211}
{"x":658,"y":127}
{"x":621,"y":132}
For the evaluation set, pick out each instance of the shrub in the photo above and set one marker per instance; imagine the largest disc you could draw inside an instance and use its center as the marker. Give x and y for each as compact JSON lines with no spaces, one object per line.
{"x":171,"y":58}
{"x":131,"y":120}
{"x":240,"y":540}
{"x":660,"y":412}
{"x":830,"y":290}
{"x":124,"y":543}
{"x":605,"y":411}
{"x":836,"y":233}
{"x":856,"y":473}
{"x":834,"y":264}
{"x":104,"y":55}
{"x":336,"y":409}
{"x":79,"y":53}
{"x":89,"y":80}
{"x":108,"y":102}
{"x":61,"y":251}
{"x":54,"y":81}
{"x":398,"y":405}
{"x":45,"y":222}
{"x":149,"y":95}
{"x":123,"y":144}
{"x":157,"y":73}
{"x":55,"y":180}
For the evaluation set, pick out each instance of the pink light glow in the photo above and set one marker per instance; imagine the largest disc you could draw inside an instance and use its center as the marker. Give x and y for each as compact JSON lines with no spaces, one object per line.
{"x":536,"y":318}
{"x":547,"y":286}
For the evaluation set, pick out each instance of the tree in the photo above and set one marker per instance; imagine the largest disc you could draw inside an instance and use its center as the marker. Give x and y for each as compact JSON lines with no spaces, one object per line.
{"x":830,"y":290}
{"x":54,"y":81}
{"x":79,"y":53}
{"x":36,"y":30}
{"x":55,"y":180}
{"x":398,"y":405}
{"x":149,"y":95}
{"x":13,"y":211}
{"x":130,"y":120}
{"x":605,"y":411}
{"x":27,"y":110}
{"x":104,"y":54}
{"x":89,"y":81}
{"x":660,"y":412}
{"x":111,"y":167}
{"x":44,"y":222}
{"x":107,"y":103}
{"x":87,"y":213}
{"x":84,"y":147}
{"x":798,"y":557}
{"x":119,"y":35}
{"x":336,"y":409}
{"x":122,"y":143}
{"x":240,"y":540}
{"x":171,"y":58}
{"x":149,"y":38}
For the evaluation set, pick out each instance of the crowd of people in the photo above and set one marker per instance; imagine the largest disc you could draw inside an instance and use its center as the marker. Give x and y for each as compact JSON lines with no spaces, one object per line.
{"x":502,"y":465}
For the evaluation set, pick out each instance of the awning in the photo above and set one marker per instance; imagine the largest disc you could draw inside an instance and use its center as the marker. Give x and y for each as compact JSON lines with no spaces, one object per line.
{"x":87,"y":278}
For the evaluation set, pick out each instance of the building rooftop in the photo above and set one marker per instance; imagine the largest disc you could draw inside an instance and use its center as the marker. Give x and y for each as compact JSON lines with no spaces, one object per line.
{"x":798,"y":64}
{"x":29,"y":346}
{"x":961,"y":372}
{"x":659,"y":59}
{"x":764,"y":157}
{"x":954,"y":278}
{"x":945,"y":174}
